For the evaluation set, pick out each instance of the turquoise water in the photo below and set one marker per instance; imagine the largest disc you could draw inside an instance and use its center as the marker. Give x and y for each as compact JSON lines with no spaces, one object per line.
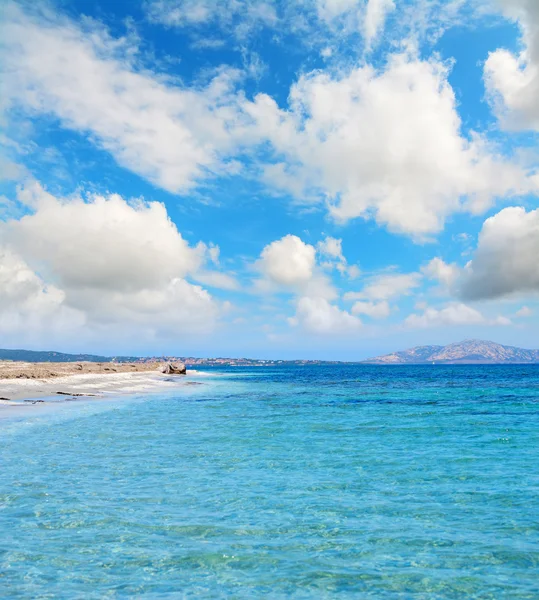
{"x":350,"y":481}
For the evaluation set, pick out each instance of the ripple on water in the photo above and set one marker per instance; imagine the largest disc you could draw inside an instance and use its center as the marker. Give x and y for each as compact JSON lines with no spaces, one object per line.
{"x":348,"y":481}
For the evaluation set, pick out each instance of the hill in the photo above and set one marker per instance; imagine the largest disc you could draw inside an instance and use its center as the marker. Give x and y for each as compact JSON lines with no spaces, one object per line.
{"x":466,"y":352}
{"x":60,"y":357}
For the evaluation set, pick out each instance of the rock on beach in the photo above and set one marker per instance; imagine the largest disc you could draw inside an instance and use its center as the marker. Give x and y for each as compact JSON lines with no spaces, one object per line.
{"x":174,"y":369}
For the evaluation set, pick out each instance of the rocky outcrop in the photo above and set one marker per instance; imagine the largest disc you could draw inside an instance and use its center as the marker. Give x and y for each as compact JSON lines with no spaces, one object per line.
{"x":174,"y":369}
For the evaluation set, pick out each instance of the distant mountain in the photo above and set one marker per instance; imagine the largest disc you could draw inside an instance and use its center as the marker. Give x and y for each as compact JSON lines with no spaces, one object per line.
{"x":36,"y":356}
{"x":467,"y":352}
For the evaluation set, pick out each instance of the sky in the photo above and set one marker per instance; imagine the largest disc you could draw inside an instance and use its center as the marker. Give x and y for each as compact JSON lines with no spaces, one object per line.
{"x":320,"y":179}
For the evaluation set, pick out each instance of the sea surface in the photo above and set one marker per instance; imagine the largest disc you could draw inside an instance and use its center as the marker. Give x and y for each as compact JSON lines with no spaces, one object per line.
{"x":290,"y":482}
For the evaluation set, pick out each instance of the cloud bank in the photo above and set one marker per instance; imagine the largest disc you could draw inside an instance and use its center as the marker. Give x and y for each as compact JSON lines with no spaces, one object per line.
{"x":505,"y":262}
{"x":105,"y":260}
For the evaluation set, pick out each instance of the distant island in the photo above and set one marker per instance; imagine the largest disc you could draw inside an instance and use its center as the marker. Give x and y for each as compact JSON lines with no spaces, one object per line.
{"x":466,"y":352}
{"x":36,"y":356}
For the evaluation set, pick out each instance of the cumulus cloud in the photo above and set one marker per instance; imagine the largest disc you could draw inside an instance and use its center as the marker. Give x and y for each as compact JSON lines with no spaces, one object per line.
{"x":505,"y":262}
{"x":317,"y":315}
{"x":373,"y":143}
{"x":165,"y":132}
{"x":512,"y":80}
{"x":27,"y":303}
{"x":104,"y":243}
{"x":288,"y":261}
{"x":112,"y":261}
{"x":291,"y":264}
{"x":385,"y":144}
{"x":446,"y":274}
{"x":373,"y":299}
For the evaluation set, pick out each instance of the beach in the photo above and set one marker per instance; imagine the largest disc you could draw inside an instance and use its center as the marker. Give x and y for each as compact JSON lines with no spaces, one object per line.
{"x":21,"y":382}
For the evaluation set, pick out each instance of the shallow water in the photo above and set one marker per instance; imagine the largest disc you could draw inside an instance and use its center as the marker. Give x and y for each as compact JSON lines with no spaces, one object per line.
{"x":305,"y":482}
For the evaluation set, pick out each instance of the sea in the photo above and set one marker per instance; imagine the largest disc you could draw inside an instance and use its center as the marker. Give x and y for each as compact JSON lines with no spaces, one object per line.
{"x":334,"y":481}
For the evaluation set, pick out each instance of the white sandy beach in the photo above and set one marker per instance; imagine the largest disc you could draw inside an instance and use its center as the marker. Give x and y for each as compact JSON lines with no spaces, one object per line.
{"x":18,"y":394}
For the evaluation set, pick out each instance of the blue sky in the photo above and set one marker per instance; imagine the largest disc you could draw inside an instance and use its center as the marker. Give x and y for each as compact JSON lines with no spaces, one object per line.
{"x":311,"y":179}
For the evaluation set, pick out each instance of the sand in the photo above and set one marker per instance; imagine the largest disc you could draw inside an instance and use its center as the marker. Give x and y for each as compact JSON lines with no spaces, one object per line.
{"x":29,"y":382}
{"x":46,"y":370}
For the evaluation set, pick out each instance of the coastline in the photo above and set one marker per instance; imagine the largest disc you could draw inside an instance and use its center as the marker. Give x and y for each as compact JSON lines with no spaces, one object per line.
{"x":35,"y":384}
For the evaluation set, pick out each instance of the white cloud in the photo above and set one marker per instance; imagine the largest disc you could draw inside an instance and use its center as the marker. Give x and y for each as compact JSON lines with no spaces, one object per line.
{"x":505,"y":262}
{"x":213,"y":253}
{"x":524,"y":312}
{"x":103,"y":243}
{"x":385,"y":144}
{"x":215,"y":279}
{"x":353,"y":271}
{"x":375,"y":17}
{"x":317,"y":315}
{"x":330,"y":9}
{"x":501,"y":320}
{"x":33,"y":312}
{"x":312,"y":22}
{"x":27,"y":303}
{"x":387,"y":287}
{"x":330,"y":250}
{"x":513,"y":80}
{"x":326,"y":52}
{"x":453,"y":314}
{"x":291,"y":264}
{"x":373,"y":299}
{"x":165,"y":132}
{"x":320,"y":286}
{"x":111,"y":261}
{"x":242,"y":19}
{"x":331,"y":247}
{"x":375,"y":310}
{"x":446,"y":274}
{"x":176,"y":309}
{"x":240,"y":16}
{"x":288,"y":261}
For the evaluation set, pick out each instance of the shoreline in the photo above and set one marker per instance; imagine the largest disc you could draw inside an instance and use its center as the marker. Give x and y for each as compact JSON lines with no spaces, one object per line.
{"x":36,"y":384}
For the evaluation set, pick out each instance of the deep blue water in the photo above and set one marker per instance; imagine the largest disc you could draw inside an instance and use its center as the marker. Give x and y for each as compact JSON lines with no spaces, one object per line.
{"x":303,"y":482}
